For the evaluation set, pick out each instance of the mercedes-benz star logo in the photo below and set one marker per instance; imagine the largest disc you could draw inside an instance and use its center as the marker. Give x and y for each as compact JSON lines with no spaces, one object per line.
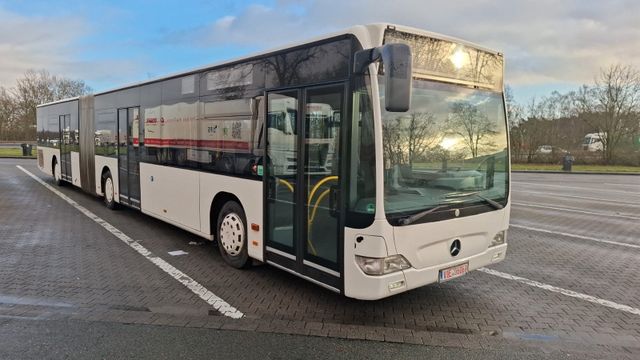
{"x":455,"y":247}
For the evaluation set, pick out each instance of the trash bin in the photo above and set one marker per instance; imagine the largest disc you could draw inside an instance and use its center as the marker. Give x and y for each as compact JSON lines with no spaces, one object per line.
{"x":24,"y":149}
{"x":567,"y":162}
{"x":29,"y":150}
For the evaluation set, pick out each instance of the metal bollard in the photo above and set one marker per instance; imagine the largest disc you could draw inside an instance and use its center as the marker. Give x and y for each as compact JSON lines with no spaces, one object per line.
{"x":567,"y":162}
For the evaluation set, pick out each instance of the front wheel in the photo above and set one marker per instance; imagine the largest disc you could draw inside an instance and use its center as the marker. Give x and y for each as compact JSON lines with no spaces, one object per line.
{"x":109,"y":191}
{"x":232,"y":235}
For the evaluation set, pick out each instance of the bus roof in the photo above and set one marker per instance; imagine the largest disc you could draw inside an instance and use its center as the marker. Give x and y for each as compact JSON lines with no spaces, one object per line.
{"x":369,"y":35}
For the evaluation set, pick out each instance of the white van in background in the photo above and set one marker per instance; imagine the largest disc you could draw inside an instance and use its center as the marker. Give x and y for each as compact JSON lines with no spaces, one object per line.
{"x":593,"y":142}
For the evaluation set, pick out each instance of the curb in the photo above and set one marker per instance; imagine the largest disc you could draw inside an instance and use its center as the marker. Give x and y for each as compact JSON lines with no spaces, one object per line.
{"x":18,"y":157}
{"x":573,"y":172}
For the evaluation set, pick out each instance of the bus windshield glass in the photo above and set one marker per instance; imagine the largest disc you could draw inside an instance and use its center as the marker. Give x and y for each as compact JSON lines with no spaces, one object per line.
{"x":449,"y":151}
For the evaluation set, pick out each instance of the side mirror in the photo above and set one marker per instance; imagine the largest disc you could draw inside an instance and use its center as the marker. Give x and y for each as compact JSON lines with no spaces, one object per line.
{"x":397,"y":73}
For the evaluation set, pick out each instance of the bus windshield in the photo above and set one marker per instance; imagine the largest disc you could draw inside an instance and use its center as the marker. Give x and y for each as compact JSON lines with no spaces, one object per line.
{"x":449,"y":151}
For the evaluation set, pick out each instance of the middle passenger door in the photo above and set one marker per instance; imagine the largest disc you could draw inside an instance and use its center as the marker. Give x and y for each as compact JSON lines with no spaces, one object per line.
{"x":302,"y":177}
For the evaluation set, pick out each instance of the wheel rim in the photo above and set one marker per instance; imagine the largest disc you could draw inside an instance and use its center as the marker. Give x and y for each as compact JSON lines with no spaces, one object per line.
{"x":232,"y":234}
{"x":108,"y":191}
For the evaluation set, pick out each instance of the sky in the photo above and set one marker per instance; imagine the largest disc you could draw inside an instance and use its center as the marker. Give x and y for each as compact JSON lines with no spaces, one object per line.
{"x":548,"y":44}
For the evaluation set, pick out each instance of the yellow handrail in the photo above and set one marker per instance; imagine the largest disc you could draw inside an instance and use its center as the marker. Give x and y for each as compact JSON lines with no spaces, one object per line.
{"x":290,"y":187}
{"x":312,"y":217}
{"x":286,"y":183}
{"x":315,"y":206}
{"x":315,"y":188}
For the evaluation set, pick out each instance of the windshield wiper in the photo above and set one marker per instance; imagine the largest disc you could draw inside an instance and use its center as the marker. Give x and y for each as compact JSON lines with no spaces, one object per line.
{"x":494,"y":204}
{"x":415,"y":217}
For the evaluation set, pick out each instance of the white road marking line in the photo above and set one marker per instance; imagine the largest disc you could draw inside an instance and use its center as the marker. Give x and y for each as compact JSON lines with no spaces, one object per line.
{"x":570,"y":293}
{"x":579,"y":197}
{"x":574,"y":187}
{"x":177,"y":253}
{"x":624,"y":185}
{"x":206,"y":295}
{"x":577,"y":210}
{"x":575,"y":236}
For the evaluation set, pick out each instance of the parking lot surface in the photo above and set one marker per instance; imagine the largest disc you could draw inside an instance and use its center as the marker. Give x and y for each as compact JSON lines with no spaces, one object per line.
{"x":569,"y":281}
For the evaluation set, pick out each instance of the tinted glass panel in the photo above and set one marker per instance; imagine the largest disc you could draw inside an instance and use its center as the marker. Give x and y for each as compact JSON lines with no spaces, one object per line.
{"x":326,"y":62}
{"x":106,"y":133}
{"x":323,"y":117}
{"x":448,"y":151}
{"x":282,"y":155}
{"x":362,"y":184}
{"x":122,"y":152}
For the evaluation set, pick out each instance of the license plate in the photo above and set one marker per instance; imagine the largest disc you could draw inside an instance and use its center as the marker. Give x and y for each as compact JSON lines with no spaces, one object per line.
{"x":453,"y":272}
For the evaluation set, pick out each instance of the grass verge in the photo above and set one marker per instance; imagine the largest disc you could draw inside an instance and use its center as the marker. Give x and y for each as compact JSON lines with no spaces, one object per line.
{"x":577,"y":168}
{"x":15,"y":152}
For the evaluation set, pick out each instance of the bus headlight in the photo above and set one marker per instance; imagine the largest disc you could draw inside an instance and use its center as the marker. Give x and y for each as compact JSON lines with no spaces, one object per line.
{"x":499,"y":239}
{"x":381,"y":266}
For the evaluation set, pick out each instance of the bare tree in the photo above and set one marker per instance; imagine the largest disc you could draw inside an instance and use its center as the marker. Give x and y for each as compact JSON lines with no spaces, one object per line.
{"x":392,"y":141}
{"x":515,"y":117}
{"x":407,"y":138}
{"x":7,"y":113}
{"x":287,"y":66}
{"x":535,"y":129}
{"x":420,"y":134}
{"x":32,"y":89}
{"x":611,"y":106}
{"x":473,"y":126}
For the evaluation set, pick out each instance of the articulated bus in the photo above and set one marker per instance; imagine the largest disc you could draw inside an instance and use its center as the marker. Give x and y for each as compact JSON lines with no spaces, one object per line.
{"x":370,"y":161}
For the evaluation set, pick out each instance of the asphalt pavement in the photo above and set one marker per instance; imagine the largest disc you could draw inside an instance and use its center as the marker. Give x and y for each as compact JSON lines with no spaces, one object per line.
{"x":569,"y":285}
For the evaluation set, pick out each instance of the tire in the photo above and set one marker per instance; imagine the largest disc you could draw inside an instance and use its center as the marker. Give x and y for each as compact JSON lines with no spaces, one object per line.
{"x":56,"y":179}
{"x":109,"y":191}
{"x":231,"y":235}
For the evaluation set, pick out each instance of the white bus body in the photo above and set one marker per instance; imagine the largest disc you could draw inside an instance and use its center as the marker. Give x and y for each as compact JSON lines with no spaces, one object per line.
{"x":290,"y":158}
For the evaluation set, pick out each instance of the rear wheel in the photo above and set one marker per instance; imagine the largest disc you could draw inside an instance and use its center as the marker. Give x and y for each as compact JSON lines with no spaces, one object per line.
{"x":57,"y":177}
{"x":232,"y":235}
{"x":109,"y":191}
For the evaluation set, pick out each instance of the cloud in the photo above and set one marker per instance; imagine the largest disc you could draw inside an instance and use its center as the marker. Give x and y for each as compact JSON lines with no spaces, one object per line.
{"x":545,"y":41}
{"x":256,"y":26}
{"x":54,"y":43}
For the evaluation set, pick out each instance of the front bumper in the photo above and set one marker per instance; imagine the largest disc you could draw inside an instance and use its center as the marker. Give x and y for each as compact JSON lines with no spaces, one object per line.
{"x":420,"y":277}
{"x":377,"y":287}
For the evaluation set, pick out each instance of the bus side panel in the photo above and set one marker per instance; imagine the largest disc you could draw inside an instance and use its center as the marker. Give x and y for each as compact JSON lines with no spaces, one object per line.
{"x":110,"y":163}
{"x":45,"y":159}
{"x":170,"y":193}
{"x":249,"y":192}
{"x":75,"y":168}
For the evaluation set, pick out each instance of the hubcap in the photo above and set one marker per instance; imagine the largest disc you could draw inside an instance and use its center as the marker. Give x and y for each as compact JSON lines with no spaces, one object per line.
{"x":108,"y":191}
{"x":232,"y":234}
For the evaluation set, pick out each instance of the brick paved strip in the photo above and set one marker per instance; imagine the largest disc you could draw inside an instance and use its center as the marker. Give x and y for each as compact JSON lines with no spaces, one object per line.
{"x":575,"y":236}
{"x":202,"y":292}
{"x":577,"y":295}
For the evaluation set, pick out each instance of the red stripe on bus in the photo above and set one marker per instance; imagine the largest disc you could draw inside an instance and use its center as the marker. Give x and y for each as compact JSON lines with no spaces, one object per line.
{"x":222,"y":144}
